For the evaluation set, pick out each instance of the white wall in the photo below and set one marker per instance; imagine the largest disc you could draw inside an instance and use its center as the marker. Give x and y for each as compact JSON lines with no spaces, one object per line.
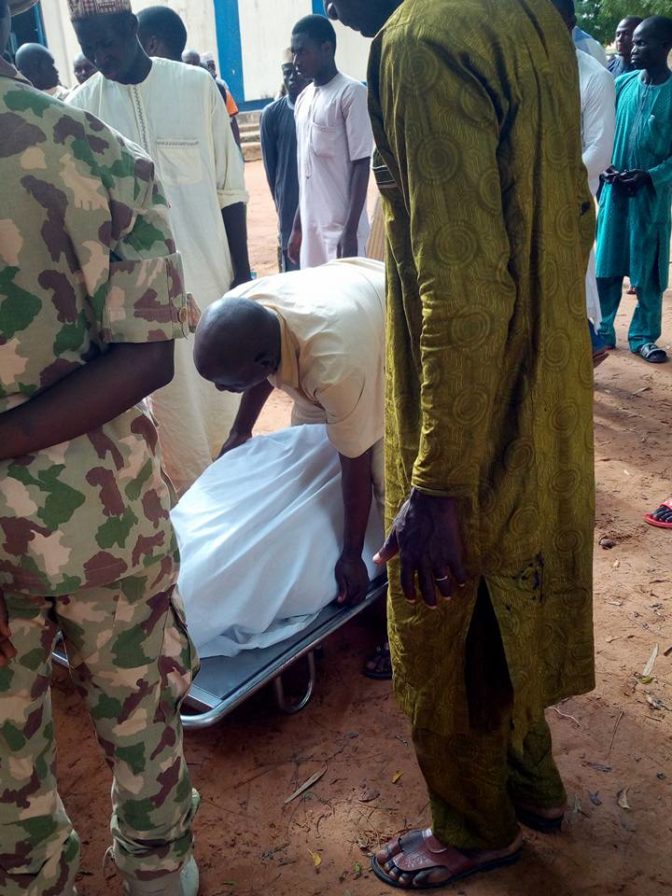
{"x":352,"y":54}
{"x":60,"y":38}
{"x":266,"y":27}
{"x":198,"y":16}
{"x":264,"y":37}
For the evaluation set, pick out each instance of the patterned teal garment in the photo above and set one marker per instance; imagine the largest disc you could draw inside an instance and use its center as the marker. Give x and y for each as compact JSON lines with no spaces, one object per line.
{"x":633,"y":233}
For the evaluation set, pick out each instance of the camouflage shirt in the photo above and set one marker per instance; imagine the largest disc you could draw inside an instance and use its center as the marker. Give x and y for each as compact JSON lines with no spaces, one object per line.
{"x":86,"y":260}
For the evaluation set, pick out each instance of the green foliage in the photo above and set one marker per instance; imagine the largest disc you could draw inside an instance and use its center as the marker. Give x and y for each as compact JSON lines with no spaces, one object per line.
{"x":600,"y":17}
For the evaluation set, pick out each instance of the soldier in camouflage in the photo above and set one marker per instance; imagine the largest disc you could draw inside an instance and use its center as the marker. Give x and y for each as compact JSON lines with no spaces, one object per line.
{"x":91,"y":301}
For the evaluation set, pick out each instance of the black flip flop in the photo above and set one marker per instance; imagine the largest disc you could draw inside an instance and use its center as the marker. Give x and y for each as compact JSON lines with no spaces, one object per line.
{"x":652,"y":353}
{"x":381,"y":658}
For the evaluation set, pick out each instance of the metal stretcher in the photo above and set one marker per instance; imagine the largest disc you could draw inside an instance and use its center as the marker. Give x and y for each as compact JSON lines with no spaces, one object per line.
{"x":225,"y":682}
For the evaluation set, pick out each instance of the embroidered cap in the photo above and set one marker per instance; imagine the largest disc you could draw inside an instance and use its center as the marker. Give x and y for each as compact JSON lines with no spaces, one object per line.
{"x":85,"y":9}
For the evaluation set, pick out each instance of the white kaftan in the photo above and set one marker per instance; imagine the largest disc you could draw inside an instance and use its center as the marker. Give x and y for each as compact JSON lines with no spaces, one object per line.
{"x":333,"y":130}
{"x":176,"y":114}
{"x":598,"y":126}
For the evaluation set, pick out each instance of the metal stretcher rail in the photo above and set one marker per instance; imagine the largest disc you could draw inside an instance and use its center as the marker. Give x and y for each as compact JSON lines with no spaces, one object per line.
{"x":225,"y":682}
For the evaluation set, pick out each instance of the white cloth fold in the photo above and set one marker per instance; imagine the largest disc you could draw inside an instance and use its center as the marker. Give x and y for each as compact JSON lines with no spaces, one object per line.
{"x":260,"y":534}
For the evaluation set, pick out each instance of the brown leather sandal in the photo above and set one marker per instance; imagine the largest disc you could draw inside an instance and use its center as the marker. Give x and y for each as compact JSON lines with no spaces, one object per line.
{"x":412,"y":861}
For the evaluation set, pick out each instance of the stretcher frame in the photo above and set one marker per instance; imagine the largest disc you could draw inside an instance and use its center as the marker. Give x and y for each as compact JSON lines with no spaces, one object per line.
{"x":223,"y":683}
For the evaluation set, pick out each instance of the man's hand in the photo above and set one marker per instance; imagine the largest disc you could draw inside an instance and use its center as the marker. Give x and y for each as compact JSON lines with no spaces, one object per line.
{"x":352,"y":578}
{"x":426,"y":535}
{"x":7,"y":649}
{"x":294,"y":246}
{"x":348,"y":246}
{"x":635,"y":180}
{"x":234,"y":440}
{"x":610,"y":175}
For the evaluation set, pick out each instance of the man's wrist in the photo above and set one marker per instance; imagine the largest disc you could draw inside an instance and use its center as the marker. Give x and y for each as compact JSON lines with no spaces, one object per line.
{"x":422,"y":493}
{"x":352,"y":553}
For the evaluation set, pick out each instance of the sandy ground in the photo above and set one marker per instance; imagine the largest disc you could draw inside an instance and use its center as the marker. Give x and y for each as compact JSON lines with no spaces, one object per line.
{"x":614,"y":746}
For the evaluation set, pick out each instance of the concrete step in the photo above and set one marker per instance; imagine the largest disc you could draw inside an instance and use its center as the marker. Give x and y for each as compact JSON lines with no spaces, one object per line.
{"x":251,"y":151}
{"x":245,"y":118}
{"x":250,"y":137}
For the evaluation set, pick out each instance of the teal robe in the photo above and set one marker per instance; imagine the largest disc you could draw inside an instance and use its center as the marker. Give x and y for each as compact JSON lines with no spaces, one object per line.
{"x":633,"y":233}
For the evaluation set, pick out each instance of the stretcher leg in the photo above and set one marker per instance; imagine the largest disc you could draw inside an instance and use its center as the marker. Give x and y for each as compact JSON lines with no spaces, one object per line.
{"x":290,"y":707}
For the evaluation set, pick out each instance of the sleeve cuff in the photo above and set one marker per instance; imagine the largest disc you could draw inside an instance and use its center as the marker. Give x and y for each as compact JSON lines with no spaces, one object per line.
{"x":145,"y":301}
{"x":231,"y":197}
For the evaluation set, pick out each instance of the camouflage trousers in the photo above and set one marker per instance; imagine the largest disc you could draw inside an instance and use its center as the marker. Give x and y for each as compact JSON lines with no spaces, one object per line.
{"x":132,"y":661}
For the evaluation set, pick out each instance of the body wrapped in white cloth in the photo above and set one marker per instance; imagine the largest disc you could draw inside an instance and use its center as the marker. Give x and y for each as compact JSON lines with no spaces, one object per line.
{"x":259,"y":534}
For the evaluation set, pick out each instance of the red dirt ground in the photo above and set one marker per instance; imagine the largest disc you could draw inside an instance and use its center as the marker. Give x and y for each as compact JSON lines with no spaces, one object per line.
{"x":614,"y":746}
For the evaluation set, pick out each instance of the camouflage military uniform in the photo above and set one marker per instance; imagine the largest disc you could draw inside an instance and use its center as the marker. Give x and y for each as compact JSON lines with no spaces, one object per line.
{"x":86,"y":547}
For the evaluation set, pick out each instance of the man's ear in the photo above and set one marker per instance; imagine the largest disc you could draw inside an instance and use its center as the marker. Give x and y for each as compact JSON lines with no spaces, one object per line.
{"x":265,"y":360}
{"x":151,"y":45}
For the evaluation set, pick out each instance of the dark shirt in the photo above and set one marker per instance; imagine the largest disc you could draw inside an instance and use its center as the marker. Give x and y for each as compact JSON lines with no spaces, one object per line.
{"x":278,"y":147}
{"x":618,"y":66}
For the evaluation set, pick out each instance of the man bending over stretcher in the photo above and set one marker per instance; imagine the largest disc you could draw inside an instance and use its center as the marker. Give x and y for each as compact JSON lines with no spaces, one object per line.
{"x":319,"y":335}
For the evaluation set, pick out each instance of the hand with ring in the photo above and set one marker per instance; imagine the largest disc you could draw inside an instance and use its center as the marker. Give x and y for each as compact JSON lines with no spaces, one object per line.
{"x":426,"y":535}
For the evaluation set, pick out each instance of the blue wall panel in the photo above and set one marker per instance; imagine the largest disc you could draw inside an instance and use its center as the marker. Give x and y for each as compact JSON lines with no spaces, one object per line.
{"x":230,"y":47}
{"x":229,"y":41}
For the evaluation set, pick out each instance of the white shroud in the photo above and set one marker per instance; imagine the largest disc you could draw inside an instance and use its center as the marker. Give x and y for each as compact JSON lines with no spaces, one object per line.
{"x":259,"y":534}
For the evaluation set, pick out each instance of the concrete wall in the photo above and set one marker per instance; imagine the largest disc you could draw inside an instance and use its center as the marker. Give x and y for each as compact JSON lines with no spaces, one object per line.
{"x":254,"y":34}
{"x":198,"y":16}
{"x":263,"y":39}
{"x":265,"y":31}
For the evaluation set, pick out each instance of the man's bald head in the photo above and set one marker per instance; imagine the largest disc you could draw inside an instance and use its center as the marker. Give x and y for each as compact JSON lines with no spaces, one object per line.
{"x":36,"y":63}
{"x":162,"y":32}
{"x":652,"y":43}
{"x":624,"y":32}
{"x":191,"y":57}
{"x":83,"y":69}
{"x":237,"y":344}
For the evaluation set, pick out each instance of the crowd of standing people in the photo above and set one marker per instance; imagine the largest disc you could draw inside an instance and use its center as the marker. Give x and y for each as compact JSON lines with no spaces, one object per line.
{"x":124,"y":219}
